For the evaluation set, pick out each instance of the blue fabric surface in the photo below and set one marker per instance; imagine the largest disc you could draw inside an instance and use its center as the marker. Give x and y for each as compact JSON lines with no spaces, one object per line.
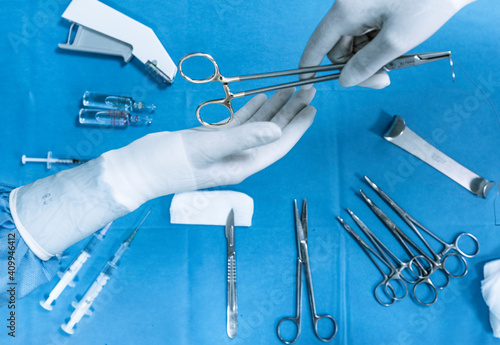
{"x":171,"y":285}
{"x":29,"y":272}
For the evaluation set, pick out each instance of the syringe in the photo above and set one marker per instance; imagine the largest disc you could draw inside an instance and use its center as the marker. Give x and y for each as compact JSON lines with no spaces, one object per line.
{"x":82,"y":307}
{"x":70,"y":273}
{"x":49,"y":160}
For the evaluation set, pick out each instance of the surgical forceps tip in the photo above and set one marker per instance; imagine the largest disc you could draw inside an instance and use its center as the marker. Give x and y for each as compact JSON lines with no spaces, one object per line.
{"x":370,"y":182}
{"x":353,"y":216}
{"x":366,"y":198}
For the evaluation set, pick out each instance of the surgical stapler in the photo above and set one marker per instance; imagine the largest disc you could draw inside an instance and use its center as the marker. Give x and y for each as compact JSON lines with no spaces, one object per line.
{"x":102,"y":29}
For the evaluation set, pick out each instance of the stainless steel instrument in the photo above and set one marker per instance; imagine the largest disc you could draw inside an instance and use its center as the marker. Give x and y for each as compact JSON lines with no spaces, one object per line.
{"x":303,"y":262}
{"x":232,"y":305}
{"x":400,"y":135}
{"x":403,"y":61}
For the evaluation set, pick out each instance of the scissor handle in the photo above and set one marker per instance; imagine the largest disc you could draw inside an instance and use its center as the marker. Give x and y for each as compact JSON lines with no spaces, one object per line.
{"x":427,"y":282}
{"x":400,"y":290}
{"x":453,"y":272}
{"x":389,"y":291}
{"x":294,"y":320}
{"x":386,"y":295}
{"x":462,"y":252}
{"x":423,"y":266}
{"x":445,"y":274}
{"x":226,"y":102}
{"x":215,"y":76}
{"x":413,"y":272}
{"x":317,"y":319}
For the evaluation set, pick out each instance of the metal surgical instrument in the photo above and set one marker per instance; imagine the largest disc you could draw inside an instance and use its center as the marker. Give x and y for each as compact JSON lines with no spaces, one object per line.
{"x":50,"y":160}
{"x":414,"y":225}
{"x":232,"y":305}
{"x":400,"y":62}
{"x":439,"y":260}
{"x":82,"y":307}
{"x":303,"y":260}
{"x":400,"y":135}
{"x":390,"y":291}
{"x":382,"y":249}
{"x":405,"y":241}
{"x":449,"y":249}
{"x":72,"y":270}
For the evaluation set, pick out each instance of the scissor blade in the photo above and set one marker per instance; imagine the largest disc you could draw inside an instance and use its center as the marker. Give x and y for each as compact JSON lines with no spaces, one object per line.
{"x":304,"y":218}
{"x":299,"y":230}
{"x":229,"y":231}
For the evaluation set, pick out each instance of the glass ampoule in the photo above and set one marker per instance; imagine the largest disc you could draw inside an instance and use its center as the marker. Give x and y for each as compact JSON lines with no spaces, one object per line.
{"x":102,"y":101}
{"x":113,"y":118}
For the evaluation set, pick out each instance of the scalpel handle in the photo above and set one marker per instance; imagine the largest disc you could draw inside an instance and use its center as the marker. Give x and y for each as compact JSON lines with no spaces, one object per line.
{"x":232,"y":305}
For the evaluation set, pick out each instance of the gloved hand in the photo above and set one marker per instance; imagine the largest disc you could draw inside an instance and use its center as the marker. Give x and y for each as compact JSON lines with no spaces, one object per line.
{"x":55,"y":212}
{"x":367,"y":34}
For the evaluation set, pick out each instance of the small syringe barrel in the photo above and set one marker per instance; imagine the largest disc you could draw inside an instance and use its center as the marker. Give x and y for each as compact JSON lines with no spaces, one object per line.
{"x":114,"y":260}
{"x":86,"y":302}
{"x":109,"y":269}
{"x":94,"y":289}
{"x":66,"y":279}
{"x":93,"y":243}
{"x":75,"y":266}
{"x":70,"y":273}
{"x":96,"y":239}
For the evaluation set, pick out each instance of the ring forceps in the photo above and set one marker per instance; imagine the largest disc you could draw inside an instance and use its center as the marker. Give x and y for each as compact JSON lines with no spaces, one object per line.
{"x":401,"y":62}
{"x":303,"y":260}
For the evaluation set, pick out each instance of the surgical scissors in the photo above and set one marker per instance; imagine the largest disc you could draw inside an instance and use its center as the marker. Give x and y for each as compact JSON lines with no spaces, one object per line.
{"x":303,"y":260}
{"x":401,"y":62}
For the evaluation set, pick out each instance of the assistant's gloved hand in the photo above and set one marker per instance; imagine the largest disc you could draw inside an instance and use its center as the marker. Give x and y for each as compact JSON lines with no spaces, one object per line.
{"x":55,"y":212}
{"x":367,"y":34}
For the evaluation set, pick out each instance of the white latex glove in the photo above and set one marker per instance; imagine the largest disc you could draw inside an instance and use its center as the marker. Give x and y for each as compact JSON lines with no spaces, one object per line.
{"x":367,"y":34}
{"x":55,"y":212}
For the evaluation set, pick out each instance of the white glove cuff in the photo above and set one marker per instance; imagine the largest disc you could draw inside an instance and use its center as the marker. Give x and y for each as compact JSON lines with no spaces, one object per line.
{"x":30,"y":241}
{"x":55,"y":212}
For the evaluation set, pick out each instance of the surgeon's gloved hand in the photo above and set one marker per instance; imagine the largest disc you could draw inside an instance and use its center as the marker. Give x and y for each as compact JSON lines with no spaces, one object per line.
{"x":55,"y":212}
{"x":367,"y":34}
